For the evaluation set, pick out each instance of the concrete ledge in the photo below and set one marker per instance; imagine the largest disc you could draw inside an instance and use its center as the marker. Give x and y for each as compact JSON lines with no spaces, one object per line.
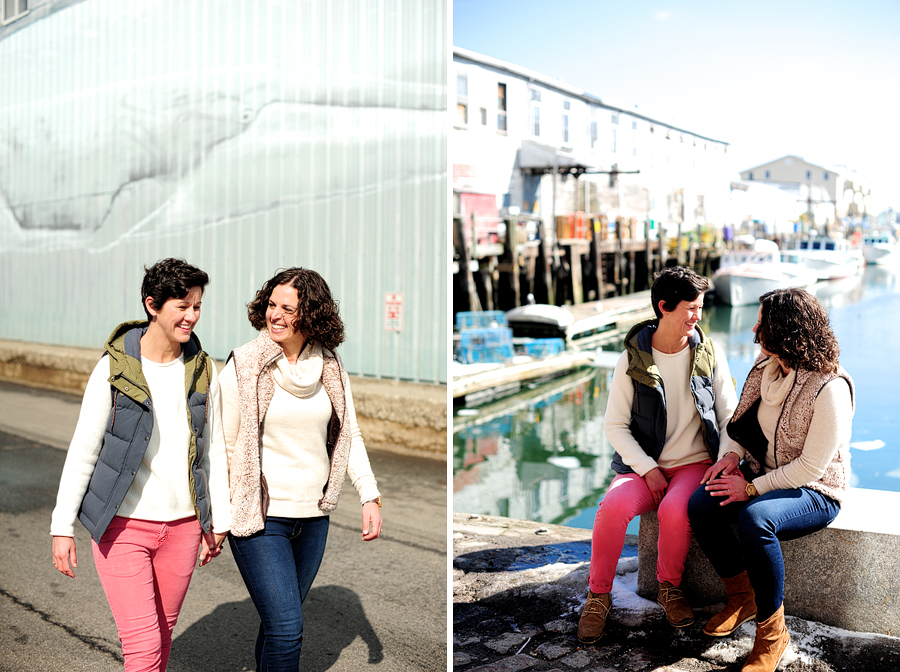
{"x":845,"y":575}
{"x":391,"y":414}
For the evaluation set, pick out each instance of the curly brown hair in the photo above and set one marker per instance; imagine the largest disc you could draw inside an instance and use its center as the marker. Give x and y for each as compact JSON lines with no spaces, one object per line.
{"x":794,"y":326}
{"x":318,"y":316}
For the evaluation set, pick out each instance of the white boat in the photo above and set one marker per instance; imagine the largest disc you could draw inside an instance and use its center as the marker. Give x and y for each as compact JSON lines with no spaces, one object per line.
{"x":747,"y":274}
{"x":831,"y":258}
{"x":880,"y":248}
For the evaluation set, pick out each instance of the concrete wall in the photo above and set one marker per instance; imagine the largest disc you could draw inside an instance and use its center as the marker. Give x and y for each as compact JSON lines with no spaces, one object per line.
{"x":845,"y":575}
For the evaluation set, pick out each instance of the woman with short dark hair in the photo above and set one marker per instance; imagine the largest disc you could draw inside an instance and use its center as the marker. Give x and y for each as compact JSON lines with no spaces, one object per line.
{"x":291,"y":435}
{"x":144,"y":473}
{"x":670,"y":398}
{"x":785,"y":473}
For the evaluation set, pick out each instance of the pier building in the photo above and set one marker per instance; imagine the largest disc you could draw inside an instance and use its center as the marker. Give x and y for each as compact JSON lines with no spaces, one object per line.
{"x":565,"y":195}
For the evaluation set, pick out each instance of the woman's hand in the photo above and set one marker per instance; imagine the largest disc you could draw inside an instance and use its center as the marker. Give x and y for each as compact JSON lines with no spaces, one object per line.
{"x":63,"y":552}
{"x":211,"y":546}
{"x":733,"y":487}
{"x":726,"y":466}
{"x":657,"y":484}
{"x":371,"y":514}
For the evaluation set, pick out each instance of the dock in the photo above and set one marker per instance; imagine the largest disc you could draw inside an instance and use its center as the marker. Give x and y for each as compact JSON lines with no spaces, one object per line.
{"x":597,"y":323}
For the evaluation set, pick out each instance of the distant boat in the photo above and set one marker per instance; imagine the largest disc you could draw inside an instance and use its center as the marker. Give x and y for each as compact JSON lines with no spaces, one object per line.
{"x":880,"y":248}
{"x":831,"y":258}
{"x":746,"y":274}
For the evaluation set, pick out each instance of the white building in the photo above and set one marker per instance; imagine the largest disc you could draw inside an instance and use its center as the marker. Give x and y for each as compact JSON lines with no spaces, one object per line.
{"x":513,"y":129}
{"x":828,"y":194}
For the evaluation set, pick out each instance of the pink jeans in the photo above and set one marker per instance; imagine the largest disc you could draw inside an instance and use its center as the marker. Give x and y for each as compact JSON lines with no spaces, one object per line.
{"x":628,"y":496}
{"x":145,"y":568}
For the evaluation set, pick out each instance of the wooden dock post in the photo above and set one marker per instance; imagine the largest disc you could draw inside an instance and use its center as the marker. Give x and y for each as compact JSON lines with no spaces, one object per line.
{"x":467,"y":281}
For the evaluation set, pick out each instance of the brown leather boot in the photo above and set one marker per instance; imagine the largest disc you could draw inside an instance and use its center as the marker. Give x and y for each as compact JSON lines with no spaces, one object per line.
{"x":678,"y":611}
{"x":772,"y":639}
{"x":593,"y":617}
{"x":740,"y":608}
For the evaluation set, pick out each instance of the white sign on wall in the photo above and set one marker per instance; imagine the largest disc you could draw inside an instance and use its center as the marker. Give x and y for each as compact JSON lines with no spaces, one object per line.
{"x":393,"y":311}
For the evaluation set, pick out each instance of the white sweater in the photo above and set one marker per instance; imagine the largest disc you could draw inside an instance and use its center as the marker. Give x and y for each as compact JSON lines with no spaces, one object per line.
{"x":830,"y":426}
{"x":161,"y":488}
{"x":684,"y":441}
{"x":294,"y":456}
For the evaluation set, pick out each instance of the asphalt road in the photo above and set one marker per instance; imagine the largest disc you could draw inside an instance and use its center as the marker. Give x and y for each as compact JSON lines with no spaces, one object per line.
{"x":379,"y":605}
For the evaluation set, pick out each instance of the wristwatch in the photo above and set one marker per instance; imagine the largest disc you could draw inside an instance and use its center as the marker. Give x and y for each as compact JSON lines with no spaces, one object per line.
{"x":751,"y":490}
{"x":377,"y":500}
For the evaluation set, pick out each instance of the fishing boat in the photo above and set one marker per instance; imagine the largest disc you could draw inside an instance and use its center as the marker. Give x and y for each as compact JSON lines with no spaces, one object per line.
{"x":831,"y":258}
{"x":748,"y":273}
{"x":880,"y":247}
{"x":584,"y":325}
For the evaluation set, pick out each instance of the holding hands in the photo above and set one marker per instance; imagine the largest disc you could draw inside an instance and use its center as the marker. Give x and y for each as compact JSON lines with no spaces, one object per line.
{"x":724,"y":479}
{"x":211,"y":546}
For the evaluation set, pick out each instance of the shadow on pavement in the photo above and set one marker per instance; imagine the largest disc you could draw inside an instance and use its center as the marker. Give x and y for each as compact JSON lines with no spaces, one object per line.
{"x":333,"y":618}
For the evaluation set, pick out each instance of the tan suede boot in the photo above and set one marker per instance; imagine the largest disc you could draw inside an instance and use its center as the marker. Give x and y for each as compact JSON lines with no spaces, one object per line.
{"x":678,"y":611}
{"x":772,"y":639}
{"x":740,"y":608}
{"x":593,"y":617}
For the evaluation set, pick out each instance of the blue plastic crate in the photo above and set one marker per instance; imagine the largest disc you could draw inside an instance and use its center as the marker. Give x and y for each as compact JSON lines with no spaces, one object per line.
{"x":485,"y":354}
{"x":498,"y":336}
{"x":480,"y":320}
{"x":543,"y":347}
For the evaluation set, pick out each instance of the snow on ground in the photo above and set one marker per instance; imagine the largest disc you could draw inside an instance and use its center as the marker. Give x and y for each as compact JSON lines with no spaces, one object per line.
{"x":633,"y":610}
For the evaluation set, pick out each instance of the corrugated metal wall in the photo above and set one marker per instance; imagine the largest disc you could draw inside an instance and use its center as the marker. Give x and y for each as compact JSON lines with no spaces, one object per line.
{"x":241,"y":136}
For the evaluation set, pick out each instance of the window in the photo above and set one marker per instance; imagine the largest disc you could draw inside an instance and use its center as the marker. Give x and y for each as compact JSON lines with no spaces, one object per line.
{"x":750,"y":175}
{"x":633,"y":125}
{"x":615,"y":119}
{"x":535,"y":113}
{"x":825,"y":176}
{"x":13,"y":9}
{"x":768,"y":174}
{"x":613,"y":141}
{"x":565,"y":121}
{"x":593,"y":134}
{"x":808,"y":174}
{"x":462,"y":99}
{"x":501,"y":107}
{"x":483,"y":116}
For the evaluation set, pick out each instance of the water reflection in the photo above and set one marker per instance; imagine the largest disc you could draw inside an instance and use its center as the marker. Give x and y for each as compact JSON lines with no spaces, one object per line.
{"x":541,"y":455}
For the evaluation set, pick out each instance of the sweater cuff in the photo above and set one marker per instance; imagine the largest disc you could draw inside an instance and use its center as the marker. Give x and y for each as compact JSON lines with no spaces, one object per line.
{"x":367,"y":489}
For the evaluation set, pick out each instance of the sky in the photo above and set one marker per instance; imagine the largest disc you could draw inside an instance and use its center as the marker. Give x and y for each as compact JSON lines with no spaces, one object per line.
{"x":815,"y":79}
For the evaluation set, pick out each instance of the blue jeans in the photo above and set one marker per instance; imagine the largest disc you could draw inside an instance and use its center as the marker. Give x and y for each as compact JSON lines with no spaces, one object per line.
{"x":278,"y":566}
{"x":762,"y":522}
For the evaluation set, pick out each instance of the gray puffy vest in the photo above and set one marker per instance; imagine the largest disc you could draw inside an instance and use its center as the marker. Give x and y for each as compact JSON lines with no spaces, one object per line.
{"x":648,"y":410}
{"x":131,"y":424}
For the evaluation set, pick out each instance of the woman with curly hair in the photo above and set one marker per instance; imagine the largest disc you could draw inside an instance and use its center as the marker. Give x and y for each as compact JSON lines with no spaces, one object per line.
{"x":291,"y":436}
{"x":786,"y":472}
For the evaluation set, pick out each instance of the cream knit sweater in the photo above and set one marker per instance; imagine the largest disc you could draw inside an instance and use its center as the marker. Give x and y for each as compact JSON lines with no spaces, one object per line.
{"x":295,"y":433}
{"x":684,"y":441}
{"x":830,"y":427}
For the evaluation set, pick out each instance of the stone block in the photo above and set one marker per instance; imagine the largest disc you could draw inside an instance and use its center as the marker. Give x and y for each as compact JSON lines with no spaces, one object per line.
{"x":845,"y":575}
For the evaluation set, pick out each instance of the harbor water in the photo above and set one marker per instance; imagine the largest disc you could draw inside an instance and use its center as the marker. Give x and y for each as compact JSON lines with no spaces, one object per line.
{"x":541,"y":454}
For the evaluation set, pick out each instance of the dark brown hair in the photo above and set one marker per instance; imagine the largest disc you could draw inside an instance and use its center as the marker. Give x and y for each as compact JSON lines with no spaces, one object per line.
{"x":170,"y":279}
{"x":318,"y":317}
{"x":796,"y":327}
{"x":674,"y":285}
